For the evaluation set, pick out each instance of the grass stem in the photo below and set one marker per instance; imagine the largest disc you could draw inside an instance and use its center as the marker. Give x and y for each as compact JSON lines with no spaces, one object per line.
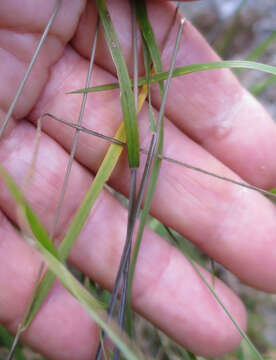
{"x":30,"y":66}
{"x":75,"y":140}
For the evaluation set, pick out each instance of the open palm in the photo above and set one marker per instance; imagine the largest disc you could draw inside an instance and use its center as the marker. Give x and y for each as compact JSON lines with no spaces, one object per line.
{"x":211,"y":122}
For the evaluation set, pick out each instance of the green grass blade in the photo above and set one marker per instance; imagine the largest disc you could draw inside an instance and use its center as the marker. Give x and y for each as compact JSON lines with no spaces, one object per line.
{"x":127,"y":98}
{"x":124,"y":275}
{"x":229,"y":36}
{"x":7,"y":340}
{"x":111,"y":158}
{"x":256,"y":53}
{"x":259,"y":50}
{"x":83,"y":212}
{"x":134,"y":210}
{"x":188,"y":69}
{"x":35,"y":226}
{"x":151,"y":53}
{"x":149,"y":37}
{"x":259,"y":88}
{"x":91,"y":304}
{"x":155,"y":148}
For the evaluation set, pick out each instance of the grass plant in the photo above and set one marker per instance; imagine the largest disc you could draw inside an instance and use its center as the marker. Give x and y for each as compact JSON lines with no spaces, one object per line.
{"x":127,"y":135}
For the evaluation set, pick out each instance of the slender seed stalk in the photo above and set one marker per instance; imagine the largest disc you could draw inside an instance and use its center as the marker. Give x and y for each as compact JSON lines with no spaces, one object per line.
{"x":224,"y":178}
{"x":85,"y":130}
{"x":29,"y":69}
{"x":76,"y":136}
{"x":165,"y":158}
{"x":125,"y":271}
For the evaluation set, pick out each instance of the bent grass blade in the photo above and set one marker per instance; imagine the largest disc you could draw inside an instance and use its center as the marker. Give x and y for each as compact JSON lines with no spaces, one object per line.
{"x":52,"y":258}
{"x":188,"y":69}
{"x":111,"y":158}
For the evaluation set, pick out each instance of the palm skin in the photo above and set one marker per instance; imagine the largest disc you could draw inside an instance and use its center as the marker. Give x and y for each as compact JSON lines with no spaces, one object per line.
{"x":211,"y":122}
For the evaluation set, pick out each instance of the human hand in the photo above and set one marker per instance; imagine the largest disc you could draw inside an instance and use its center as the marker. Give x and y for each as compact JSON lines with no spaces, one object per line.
{"x":212,"y":122}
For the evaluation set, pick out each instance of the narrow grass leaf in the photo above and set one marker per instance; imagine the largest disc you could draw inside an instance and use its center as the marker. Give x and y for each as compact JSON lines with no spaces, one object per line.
{"x":127,"y":98}
{"x":260,"y":49}
{"x":7,"y":340}
{"x":91,"y":304}
{"x":111,"y":158}
{"x":35,"y":226}
{"x":262,"y":86}
{"x":132,"y":192}
{"x":188,"y":69}
{"x":152,"y":53}
{"x":224,"y":46}
{"x":148,"y":36}
{"x":155,"y":149}
{"x":256,"y":53}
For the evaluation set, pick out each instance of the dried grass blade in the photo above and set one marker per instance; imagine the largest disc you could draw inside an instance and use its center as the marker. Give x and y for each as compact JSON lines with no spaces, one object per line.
{"x":75,"y":140}
{"x":84,"y":129}
{"x":206,"y":172}
{"x":30,"y":66}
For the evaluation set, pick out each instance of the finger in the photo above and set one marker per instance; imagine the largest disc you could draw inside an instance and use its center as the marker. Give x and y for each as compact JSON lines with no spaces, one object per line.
{"x":209,"y":106}
{"x":21,"y":29}
{"x":62,"y":329}
{"x":219,"y":217}
{"x":158,"y":284}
